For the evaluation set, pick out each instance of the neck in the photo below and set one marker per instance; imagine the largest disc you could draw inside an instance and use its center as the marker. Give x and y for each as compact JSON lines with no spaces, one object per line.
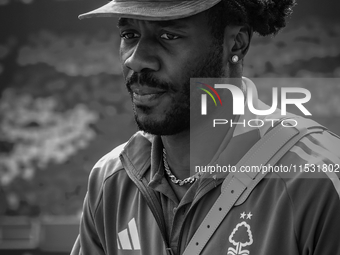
{"x":197,"y":146}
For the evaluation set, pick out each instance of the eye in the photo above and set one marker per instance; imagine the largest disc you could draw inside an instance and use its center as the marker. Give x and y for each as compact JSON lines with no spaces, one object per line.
{"x":168,"y":36}
{"x":129,"y":35}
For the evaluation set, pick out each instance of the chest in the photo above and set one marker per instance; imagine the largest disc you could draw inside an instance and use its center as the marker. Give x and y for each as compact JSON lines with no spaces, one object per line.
{"x":262,"y":223}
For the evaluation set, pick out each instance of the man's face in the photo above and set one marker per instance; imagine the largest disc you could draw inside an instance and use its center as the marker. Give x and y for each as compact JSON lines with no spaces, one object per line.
{"x":159,"y":58}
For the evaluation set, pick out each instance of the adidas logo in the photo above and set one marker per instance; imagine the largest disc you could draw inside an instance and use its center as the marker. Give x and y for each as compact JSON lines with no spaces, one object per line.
{"x":128,"y":238}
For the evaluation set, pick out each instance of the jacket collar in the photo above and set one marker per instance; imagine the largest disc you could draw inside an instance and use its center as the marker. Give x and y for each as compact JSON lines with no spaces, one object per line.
{"x":144,"y":150}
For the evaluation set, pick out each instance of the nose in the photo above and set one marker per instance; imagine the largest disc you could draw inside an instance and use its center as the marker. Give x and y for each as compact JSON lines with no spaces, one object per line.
{"x":143,"y":57}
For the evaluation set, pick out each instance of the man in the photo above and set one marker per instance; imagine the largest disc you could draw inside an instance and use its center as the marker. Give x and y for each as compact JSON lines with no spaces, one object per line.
{"x":142,"y":197}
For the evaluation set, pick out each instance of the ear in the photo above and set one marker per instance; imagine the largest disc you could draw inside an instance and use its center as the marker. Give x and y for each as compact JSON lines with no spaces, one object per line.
{"x":236,"y":41}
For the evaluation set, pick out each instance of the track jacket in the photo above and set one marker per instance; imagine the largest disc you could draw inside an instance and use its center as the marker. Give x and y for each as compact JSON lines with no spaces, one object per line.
{"x":291,"y":214}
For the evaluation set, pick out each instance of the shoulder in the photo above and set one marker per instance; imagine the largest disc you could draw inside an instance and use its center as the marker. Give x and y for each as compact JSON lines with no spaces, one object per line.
{"x":320,"y":151}
{"x":110,"y":165}
{"x":313,"y":169}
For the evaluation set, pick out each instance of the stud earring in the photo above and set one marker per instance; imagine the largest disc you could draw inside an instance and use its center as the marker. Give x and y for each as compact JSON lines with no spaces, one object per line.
{"x":234,"y":59}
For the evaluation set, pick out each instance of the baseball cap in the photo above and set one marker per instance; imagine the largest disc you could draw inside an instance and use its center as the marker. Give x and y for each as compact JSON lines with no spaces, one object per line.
{"x":151,"y":9}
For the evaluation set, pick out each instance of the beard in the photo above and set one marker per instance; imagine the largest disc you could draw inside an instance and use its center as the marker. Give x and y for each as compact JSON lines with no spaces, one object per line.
{"x":177,"y":115}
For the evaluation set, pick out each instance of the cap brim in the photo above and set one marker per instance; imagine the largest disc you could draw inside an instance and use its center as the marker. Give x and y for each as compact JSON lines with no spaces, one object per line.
{"x":151,"y":10}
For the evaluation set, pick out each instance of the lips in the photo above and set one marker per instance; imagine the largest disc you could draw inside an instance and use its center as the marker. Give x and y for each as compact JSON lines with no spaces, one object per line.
{"x":145,"y":90}
{"x":146,"y":95}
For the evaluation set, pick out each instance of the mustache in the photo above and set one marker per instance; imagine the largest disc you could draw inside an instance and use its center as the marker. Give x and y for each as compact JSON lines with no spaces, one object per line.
{"x":148,"y":79}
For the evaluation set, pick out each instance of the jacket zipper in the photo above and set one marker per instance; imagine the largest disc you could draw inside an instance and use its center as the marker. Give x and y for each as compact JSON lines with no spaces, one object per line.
{"x":150,"y":197}
{"x":186,"y":215}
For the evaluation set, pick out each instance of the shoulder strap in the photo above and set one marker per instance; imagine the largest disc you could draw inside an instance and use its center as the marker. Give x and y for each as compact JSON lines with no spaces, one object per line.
{"x":237,"y":186}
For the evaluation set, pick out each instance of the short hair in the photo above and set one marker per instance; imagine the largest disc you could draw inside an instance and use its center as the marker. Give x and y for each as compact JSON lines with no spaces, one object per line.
{"x":265,"y":17}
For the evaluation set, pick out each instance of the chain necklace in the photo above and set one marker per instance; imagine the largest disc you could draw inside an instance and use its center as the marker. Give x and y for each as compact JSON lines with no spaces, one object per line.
{"x":173,"y":178}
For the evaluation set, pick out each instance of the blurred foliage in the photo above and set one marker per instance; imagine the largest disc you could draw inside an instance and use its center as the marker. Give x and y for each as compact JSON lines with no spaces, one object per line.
{"x":5,"y":2}
{"x":53,"y":129}
{"x":40,"y":134}
{"x":73,"y":55}
{"x":324,"y":93}
{"x":310,"y":49}
{"x":64,"y":107}
{"x":64,"y":104}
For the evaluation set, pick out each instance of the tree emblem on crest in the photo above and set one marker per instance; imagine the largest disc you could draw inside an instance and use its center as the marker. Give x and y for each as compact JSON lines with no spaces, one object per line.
{"x":240,"y":237}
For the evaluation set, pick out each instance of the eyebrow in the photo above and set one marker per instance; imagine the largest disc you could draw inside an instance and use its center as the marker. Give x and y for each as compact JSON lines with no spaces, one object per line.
{"x":163,"y":23}
{"x":122,"y":22}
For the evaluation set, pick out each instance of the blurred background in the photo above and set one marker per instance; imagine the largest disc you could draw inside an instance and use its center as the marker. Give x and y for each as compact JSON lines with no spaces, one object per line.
{"x":63,"y":105}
